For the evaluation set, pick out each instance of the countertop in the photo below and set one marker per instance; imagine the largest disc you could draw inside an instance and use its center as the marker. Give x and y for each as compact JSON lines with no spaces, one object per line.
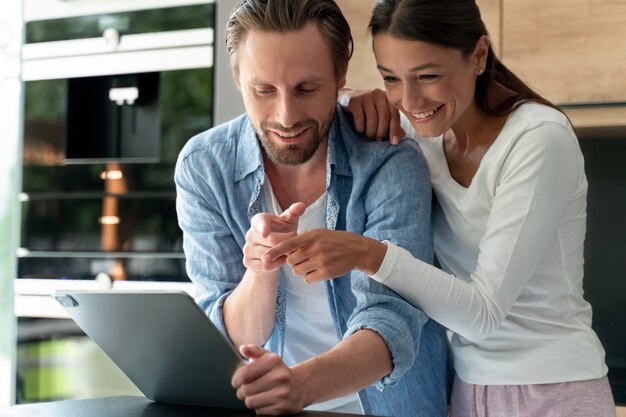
{"x":130,"y":407}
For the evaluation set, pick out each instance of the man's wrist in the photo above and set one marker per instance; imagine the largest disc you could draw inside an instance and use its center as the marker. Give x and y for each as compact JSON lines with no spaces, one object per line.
{"x":302,"y":372}
{"x":265,"y":275}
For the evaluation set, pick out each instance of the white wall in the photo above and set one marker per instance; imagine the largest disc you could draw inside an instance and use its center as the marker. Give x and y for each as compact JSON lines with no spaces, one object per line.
{"x":10,"y":169}
{"x":228,"y":103}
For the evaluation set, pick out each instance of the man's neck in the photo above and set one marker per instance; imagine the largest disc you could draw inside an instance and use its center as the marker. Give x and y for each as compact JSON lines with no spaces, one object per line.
{"x":305,"y":182}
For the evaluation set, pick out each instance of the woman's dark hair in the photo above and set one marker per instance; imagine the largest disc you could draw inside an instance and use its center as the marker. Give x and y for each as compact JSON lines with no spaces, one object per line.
{"x":455,"y":24}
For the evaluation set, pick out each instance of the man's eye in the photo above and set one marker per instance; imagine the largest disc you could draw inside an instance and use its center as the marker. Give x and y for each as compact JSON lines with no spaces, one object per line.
{"x":262,"y":92}
{"x":428,"y":77}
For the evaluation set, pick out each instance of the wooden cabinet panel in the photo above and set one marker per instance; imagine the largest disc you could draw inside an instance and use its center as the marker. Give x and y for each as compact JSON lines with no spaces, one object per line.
{"x":362,"y":72}
{"x":490,"y":11}
{"x":571,"y":51}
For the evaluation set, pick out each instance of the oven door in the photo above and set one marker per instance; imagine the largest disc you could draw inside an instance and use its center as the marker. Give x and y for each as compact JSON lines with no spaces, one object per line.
{"x":109,"y":101}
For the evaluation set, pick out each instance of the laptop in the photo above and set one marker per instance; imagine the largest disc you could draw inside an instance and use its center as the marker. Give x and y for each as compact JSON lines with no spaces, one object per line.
{"x":162,"y":341}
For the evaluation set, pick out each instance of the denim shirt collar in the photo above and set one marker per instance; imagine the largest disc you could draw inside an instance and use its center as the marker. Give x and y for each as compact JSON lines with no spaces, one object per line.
{"x":248,"y":157}
{"x":337,"y":152}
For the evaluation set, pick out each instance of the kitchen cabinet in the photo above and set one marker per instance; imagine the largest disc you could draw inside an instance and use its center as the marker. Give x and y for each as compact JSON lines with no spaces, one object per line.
{"x":573,"y":52}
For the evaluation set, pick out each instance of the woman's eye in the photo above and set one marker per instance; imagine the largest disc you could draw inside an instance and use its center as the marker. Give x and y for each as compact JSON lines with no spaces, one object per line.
{"x":261,"y":92}
{"x":388,"y":79}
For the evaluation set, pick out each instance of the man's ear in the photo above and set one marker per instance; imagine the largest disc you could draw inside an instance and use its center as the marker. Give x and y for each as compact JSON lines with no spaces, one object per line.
{"x":342,"y":82}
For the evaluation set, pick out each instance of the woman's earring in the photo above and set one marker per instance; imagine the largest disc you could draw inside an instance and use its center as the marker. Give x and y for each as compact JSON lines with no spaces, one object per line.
{"x":480,"y":71}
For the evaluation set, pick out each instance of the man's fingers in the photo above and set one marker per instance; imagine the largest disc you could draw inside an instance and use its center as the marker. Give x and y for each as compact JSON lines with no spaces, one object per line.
{"x":254,"y":369}
{"x":261,"y":362}
{"x":268,"y":396}
{"x":293,"y":213}
{"x":262,"y":223}
{"x":252,"y":351}
{"x":266,"y":224}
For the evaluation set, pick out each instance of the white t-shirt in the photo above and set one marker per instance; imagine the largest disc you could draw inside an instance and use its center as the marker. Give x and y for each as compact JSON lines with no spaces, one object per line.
{"x":511,"y":246}
{"x":309,"y":328}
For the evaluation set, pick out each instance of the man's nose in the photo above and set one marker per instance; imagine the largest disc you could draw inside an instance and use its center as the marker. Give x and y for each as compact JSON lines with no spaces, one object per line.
{"x":287,"y":111}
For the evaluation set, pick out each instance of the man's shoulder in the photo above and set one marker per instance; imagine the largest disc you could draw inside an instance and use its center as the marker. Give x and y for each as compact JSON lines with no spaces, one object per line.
{"x":370,"y":154}
{"x":216,"y":140}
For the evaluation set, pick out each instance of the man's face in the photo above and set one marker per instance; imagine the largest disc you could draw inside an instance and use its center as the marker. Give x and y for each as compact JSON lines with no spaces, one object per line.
{"x":289,"y":89}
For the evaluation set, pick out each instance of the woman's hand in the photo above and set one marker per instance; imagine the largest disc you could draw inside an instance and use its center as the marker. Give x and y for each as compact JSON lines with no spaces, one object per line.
{"x":373,"y":114}
{"x":322,"y":254}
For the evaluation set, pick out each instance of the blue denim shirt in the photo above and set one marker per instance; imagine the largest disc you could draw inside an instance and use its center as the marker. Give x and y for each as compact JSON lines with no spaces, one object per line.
{"x":373,"y":189}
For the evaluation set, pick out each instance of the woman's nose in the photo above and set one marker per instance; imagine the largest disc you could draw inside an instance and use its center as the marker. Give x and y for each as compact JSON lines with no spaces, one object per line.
{"x":412,"y":98}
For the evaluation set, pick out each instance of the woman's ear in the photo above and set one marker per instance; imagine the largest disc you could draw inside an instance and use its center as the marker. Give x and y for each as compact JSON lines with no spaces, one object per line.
{"x":481,"y":51}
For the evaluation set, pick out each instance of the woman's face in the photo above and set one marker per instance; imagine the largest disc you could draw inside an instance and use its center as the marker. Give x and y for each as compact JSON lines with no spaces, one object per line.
{"x":432,"y":85}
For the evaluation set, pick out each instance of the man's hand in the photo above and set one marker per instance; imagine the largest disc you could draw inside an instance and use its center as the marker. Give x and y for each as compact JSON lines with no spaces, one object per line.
{"x":372,"y":113}
{"x":266,"y":231}
{"x":325,"y":254}
{"x":267,"y":385}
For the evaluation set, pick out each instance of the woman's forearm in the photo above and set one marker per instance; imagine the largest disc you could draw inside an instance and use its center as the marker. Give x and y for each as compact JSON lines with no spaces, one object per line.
{"x":462,"y":307}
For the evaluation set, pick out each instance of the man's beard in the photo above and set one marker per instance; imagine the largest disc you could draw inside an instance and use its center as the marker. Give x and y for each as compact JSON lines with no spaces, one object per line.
{"x":296,"y":154}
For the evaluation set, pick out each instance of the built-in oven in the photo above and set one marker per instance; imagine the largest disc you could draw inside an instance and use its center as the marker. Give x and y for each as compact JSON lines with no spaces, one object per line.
{"x":112,"y":91}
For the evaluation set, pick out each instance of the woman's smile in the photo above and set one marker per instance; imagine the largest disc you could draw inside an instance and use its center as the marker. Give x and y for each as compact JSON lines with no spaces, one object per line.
{"x":425,"y":116}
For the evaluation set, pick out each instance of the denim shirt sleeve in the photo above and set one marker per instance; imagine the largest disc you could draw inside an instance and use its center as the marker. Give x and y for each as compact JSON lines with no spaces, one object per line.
{"x":218,"y":175}
{"x":398,"y":203}
{"x":213,"y":257}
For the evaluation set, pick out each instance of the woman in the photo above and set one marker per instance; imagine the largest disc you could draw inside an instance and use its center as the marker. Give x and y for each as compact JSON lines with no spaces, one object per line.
{"x":509,"y":227}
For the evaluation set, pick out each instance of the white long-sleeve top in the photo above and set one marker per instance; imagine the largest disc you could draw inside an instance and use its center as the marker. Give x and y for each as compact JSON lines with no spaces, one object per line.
{"x":511,"y":249}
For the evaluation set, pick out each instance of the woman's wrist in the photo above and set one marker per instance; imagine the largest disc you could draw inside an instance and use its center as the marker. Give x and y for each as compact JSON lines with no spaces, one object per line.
{"x":371,"y":256}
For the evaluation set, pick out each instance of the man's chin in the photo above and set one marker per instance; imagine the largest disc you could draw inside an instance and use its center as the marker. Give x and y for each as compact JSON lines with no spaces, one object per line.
{"x":290,"y":154}
{"x":289,"y":157}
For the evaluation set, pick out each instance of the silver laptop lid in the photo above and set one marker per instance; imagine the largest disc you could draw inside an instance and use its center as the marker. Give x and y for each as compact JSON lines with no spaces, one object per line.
{"x":162,"y":341}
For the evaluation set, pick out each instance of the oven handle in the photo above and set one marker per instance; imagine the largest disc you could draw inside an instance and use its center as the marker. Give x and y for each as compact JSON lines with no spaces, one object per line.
{"x":162,"y":51}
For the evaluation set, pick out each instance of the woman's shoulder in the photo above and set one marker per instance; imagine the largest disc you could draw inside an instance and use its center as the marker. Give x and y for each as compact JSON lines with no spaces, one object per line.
{"x":538,"y":132}
{"x":532,"y":123}
{"x":532,"y":115}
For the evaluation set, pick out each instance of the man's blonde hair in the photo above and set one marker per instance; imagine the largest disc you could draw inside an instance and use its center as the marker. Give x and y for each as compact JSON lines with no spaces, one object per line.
{"x":291,"y":15}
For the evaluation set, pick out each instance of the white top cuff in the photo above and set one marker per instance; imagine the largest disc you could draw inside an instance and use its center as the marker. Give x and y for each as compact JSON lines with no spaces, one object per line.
{"x":388,"y":263}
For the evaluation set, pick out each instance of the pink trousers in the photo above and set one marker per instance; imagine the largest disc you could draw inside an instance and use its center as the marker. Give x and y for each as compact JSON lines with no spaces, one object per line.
{"x":591,"y":398}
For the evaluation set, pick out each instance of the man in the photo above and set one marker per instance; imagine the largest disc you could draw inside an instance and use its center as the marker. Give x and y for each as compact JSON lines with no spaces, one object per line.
{"x":295,"y":150}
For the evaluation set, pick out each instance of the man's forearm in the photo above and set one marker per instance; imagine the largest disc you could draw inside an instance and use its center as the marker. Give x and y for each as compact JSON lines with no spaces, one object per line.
{"x":353,"y":364}
{"x":249,"y":311}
